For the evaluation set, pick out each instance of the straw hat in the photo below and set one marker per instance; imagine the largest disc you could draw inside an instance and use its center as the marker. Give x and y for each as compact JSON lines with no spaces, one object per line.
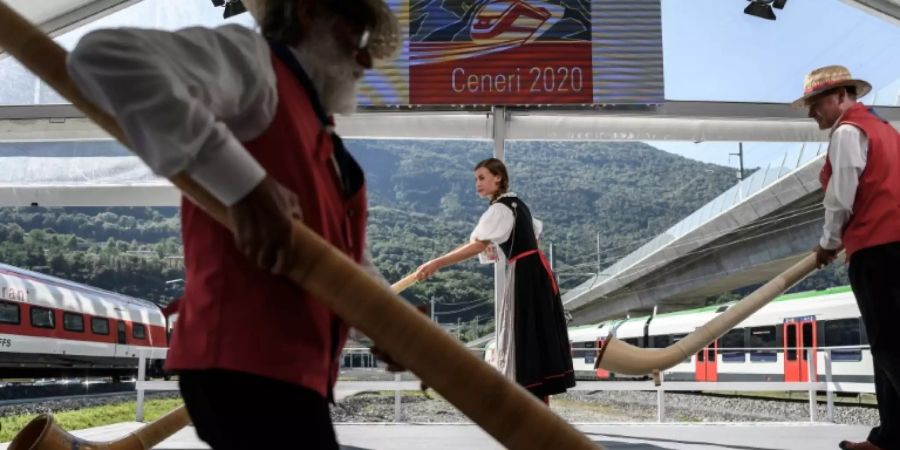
{"x":829,"y":77}
{"x":384,"y":39}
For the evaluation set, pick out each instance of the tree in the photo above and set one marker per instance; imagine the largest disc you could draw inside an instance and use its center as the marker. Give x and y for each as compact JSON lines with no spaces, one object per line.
{"x":71,"y":243}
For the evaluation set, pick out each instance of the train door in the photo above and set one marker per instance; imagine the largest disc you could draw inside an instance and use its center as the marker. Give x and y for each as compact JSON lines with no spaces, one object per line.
{"x":121,"y":336}
{"x":602,"y":374}
{"x":799,"y":348}
{"x":707,"y":365}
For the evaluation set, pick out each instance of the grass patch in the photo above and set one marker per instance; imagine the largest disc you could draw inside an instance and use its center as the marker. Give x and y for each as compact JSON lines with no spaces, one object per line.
{"x":94,"y":416}
{"x":403,"y":394}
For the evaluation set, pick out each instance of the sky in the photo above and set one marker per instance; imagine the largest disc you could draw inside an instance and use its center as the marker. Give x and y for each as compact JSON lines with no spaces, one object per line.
{"x":712,"y":52}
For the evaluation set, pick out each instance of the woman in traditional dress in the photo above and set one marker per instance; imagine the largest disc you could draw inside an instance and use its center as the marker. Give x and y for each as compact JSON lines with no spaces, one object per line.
{"x":532,"y":343}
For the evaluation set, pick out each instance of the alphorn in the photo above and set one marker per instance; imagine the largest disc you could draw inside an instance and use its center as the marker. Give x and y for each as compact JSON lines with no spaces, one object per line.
{"x":620,"y":357}
{"x":404,"y":283}
{"x":505,"y":410}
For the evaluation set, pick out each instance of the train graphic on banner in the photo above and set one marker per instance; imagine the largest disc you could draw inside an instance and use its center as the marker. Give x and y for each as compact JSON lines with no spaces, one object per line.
{"x":522,"y":53}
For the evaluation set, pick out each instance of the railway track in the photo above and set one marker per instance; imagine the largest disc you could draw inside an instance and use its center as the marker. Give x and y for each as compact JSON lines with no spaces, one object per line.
{"x":76,"y":397}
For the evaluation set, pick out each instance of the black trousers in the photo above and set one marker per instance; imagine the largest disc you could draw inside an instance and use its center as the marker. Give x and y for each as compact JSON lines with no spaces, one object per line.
{"x":875,"y":278}
{"x":237,"y":411}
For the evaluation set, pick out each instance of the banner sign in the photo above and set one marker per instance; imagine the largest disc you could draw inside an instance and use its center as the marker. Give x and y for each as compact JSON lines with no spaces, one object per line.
{"x":523,"y":52}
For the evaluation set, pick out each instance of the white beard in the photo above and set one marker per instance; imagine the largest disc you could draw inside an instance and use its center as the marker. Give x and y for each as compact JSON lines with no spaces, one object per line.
{"x":332,"y":72}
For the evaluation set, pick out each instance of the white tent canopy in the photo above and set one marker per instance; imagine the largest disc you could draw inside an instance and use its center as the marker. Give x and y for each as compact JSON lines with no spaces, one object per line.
{"x":57,"y":16}
{"x":674,"y":120}
{"x":100,"y":173}
{"x":886,"y":9}
{"x":123,"y":180}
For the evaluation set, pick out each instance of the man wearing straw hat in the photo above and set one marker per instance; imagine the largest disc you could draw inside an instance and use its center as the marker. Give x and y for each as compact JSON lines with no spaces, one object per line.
{"x":861,"y":178}
{"x":248,"y":116}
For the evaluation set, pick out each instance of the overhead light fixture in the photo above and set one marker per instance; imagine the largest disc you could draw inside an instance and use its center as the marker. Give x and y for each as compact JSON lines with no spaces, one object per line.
{"x":761,"y":9}
{"x":232,"y":7}
{"x":779,"y":4}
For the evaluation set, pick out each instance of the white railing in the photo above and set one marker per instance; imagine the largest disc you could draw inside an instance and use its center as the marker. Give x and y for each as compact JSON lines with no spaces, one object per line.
{"x":397,"y":385}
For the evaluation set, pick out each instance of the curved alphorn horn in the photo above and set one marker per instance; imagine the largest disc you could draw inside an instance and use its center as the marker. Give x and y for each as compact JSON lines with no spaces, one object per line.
{"x":620,"y":357}
{"x":404,"y":283}
{"x":505,"y":410}
{"x":43,"y":433}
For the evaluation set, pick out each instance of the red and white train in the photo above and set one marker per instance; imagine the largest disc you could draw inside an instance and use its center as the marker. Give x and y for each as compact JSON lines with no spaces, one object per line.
{"x":777,"y":343}
{"x":51,"y":328}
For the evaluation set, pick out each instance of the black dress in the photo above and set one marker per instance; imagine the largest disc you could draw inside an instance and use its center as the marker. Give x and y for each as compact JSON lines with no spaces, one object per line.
{"x":543,"y":360}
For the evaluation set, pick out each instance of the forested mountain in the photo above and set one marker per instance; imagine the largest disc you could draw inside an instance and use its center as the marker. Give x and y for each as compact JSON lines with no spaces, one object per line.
{"x":422,"y":204}
{"x":133,"y":251}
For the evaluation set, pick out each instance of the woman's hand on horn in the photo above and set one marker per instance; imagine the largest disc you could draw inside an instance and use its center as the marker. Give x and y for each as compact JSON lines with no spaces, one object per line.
{"x":426,"y":270}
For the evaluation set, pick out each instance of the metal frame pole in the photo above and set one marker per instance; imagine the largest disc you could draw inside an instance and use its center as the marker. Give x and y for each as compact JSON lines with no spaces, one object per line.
{"x":810,"y":379}
{"x":142,"y":375}
{"x":829,"y":392}
{"x":499,"y":126}
{"x":397,"y":398}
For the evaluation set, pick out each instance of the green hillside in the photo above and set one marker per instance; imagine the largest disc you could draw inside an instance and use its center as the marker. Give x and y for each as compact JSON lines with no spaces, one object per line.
{"x":422,"y":204}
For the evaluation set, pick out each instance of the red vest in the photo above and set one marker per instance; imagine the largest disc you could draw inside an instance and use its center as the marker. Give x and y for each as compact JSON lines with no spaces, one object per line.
{"x":876,"y":208}
{"x":235,"y":316}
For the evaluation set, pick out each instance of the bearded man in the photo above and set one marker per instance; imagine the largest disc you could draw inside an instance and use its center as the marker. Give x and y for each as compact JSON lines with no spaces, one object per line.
{"x":248,"y":116}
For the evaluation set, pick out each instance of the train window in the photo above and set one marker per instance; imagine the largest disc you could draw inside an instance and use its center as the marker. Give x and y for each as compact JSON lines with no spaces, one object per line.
{"x":73,"y":322}
{"x":138,"y":331}
{"x":791,"y":332}
{"x":581,"y":349}
{"x":661,"y":341}
{"x":808,"y":343}
{"x":733,"y":339}
{"x":9,"y":313}
{"x":839,"y":333}
{"x":42,"y":317}
{"x":633,"y":341}
{"x":99,"y":325}
{"x":762,"y":338}
{"x":844,"y":355}
{"x":843,"y":332}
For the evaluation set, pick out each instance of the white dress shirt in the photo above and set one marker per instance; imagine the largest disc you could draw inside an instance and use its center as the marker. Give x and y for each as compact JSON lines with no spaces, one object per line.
{"x":185,"y":99}
{"x":847,"y":152}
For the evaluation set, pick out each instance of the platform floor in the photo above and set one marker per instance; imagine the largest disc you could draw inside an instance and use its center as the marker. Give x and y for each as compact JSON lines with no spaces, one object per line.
{"x":707,"y":436}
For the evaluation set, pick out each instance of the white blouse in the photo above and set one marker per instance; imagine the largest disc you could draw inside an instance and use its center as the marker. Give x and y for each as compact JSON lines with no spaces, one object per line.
{"x":496,"y":225}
